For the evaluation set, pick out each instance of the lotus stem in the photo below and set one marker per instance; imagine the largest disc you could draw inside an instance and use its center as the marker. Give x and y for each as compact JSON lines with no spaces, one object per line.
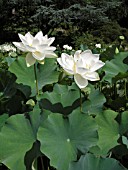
{"x":42,"y":163}
{"x":125,"y":88}
{"x":37,"y":89}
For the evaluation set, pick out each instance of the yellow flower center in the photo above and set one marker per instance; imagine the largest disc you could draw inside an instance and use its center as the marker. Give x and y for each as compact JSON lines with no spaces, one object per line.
{"x":88,"y":66}
{"x":74,"y":67}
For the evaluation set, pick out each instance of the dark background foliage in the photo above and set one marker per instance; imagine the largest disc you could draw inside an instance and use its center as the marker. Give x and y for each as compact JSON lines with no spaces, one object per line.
{"x":66,"y":20}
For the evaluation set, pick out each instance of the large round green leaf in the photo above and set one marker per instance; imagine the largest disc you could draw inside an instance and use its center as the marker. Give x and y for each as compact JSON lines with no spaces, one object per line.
{"x":94,"y":105}
{"x":61,"y":137}
{"x":90,"y":162}
{"x":62,"y":94}
{"x":108,"y":130}
{"x":3,"y":119}
{"x":63,"y":99}
{"x":115,"y":66}
{"x":46,"y":73}
{"x":16,"y":138}
{"x":37,"y":117}
{"x":25,"y":75}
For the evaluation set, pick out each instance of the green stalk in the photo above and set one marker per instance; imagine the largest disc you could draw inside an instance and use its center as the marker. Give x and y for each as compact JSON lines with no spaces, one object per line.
{"x":34,"y":165}
{"x":125,"y":88}
{"x":42,"y":164}
{"x":37,"y":89}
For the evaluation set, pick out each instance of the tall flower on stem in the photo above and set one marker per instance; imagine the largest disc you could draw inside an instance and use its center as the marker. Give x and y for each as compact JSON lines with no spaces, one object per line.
{"x":38,"y":47}
{"x":83,"y":66}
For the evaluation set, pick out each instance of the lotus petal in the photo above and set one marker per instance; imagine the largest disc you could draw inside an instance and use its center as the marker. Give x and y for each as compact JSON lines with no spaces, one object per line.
{"x":30,"y":60}
{"x":80,"y":81}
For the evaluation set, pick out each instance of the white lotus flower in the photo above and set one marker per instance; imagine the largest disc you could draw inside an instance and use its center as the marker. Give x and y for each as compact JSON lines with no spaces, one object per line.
{"x":38,"y":47}
{"x":66,"y":47}
{"x":98,"y":45}
{"x":83,"y":66}
{"x":7,"y":48}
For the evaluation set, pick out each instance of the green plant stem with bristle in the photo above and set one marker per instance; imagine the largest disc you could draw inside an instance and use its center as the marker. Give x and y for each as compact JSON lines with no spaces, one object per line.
{"x":36,"y":81}
{"x":125,"y":88}
{"x":42,"y":164}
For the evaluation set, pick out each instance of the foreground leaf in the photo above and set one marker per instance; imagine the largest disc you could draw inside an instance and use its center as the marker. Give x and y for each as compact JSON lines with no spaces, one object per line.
{"x":61,"y":138}
{"x":16,"y":138}
{"x":46,"y":73}
{"x":90,"y":162}
{"x":94,"y":105}
{"x":63,"y":99}
{"x":108,"y":130}
{"x":62,"y":94}
{"x":115,"y":66}
{"x":3,"y":119}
